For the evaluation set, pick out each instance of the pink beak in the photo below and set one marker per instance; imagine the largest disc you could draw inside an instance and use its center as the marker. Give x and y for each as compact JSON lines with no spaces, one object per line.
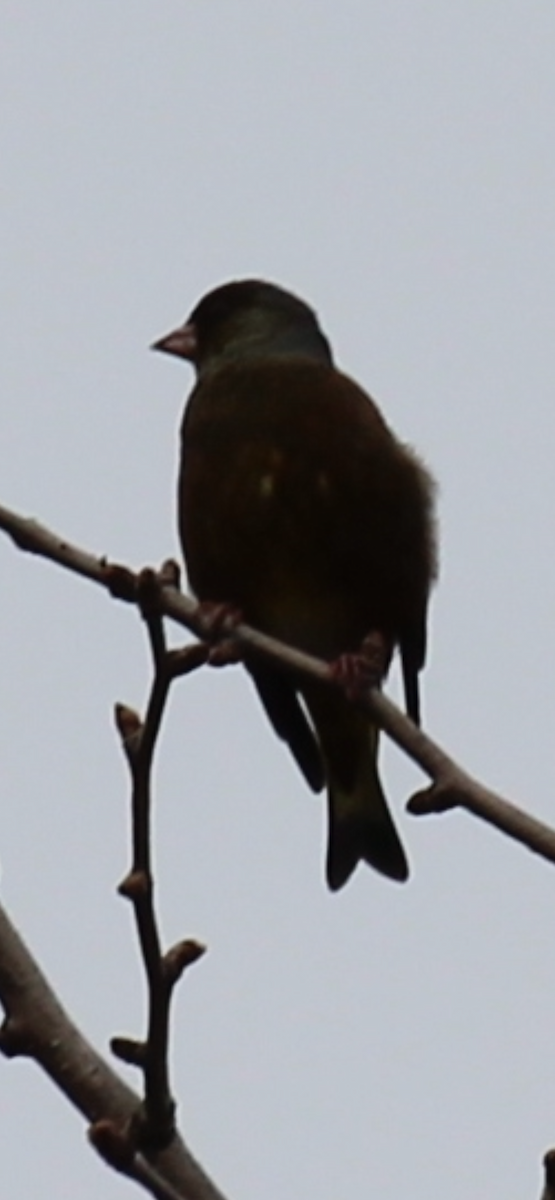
{"x":182,"y":342}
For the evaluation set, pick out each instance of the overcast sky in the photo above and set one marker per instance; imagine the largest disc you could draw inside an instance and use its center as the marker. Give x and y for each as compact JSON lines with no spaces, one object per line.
{"x":393,"y":162}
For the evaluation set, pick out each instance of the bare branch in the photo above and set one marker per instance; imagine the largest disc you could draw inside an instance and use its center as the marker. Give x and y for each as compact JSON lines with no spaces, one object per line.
{"x":156,"y":1126}
{"x":35,"y":1022}
{"x":38,"y":1026}
{"x":451,"y":785}
{"x":116,"y":1150}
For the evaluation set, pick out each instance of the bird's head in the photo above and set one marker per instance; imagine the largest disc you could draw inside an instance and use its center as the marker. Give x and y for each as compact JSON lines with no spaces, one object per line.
{"x":247,"y":319}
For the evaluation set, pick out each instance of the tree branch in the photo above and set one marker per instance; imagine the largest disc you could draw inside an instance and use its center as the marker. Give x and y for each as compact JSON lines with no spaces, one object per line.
{"x":156,"y":1126}
{"x":451,"y":785}
{"x":36,"y":1025}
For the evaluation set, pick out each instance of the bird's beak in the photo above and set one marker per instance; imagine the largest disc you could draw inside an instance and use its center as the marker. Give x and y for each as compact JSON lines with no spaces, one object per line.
{"x":182,"y":342}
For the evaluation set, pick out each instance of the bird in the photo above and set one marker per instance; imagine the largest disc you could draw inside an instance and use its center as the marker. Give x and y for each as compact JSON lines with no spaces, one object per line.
{"x":300,"y":509}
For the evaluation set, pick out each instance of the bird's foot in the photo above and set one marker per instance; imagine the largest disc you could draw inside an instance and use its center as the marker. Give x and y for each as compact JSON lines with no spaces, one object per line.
{"x":356,"y":673}
{"x":218,"y":624}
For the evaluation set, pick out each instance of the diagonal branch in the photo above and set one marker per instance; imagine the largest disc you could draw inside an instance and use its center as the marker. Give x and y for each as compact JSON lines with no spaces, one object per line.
{"x":451,"y":785}
{"x":36,"y":1025}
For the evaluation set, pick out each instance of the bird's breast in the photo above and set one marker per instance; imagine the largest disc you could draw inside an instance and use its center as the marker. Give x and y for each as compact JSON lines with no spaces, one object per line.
{"x":288,"y":505}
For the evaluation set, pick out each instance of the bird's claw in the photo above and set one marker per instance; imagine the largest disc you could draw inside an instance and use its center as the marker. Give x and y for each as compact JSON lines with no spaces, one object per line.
{"x":218,"y":622}
{"x":356,"y":673}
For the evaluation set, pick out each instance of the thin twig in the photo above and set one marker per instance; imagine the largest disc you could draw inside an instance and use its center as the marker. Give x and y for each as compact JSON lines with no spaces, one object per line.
{"x":157,"y":1124}
{"x":451,"y":785}
{"x":36,"y":1025}
{"x":116,"y":1148}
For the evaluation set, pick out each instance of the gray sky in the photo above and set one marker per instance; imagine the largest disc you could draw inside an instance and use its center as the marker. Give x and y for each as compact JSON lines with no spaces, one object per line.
{"x":393,"y":162}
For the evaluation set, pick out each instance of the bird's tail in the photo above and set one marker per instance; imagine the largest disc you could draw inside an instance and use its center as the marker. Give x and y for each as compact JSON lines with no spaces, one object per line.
{"x":360,"y":825}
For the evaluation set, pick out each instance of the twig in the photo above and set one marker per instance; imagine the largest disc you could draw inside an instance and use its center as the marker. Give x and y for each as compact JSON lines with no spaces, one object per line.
{"x":451,"y":785}
{"x":117,"y":1151}
{"x":156,"y":1127}
{"x":36,"y":1025}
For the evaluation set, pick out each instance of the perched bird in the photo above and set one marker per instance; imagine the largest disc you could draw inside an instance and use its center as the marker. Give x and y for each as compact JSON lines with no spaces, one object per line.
{"x":299,"y":507}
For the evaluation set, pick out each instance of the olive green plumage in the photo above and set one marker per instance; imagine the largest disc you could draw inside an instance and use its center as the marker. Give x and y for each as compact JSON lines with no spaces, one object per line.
{"x":298,"y":505}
